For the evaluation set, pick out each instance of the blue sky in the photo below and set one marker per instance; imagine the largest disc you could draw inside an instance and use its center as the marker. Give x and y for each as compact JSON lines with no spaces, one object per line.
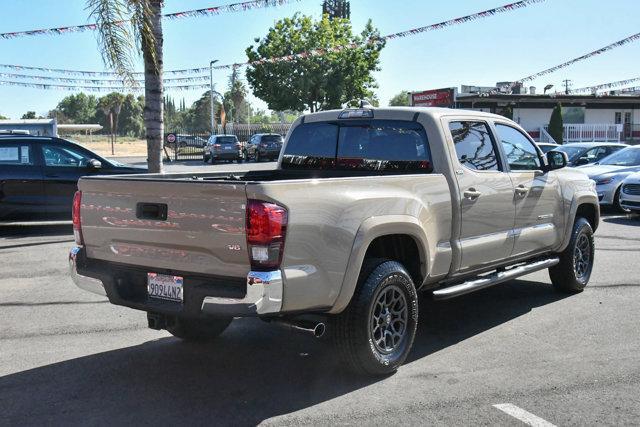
{"x":504,"y":47}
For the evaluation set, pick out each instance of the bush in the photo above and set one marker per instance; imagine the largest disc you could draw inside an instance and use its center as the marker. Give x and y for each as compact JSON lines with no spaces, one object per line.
{"x":556,"y":128}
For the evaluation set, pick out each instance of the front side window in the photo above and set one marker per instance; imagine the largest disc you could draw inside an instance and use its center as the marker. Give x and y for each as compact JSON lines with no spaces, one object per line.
{"x":521,"y":153}
{"x":16,"y":154}
{"x":474,"y":145}
{"x":374,"y":145}
{"x":58,"y":156}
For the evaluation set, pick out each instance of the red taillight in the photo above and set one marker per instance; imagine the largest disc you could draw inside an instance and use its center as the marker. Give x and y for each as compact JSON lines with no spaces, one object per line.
{"x":266,"y":229}
{"x":217,"y":145}
{"x":75,"y":216}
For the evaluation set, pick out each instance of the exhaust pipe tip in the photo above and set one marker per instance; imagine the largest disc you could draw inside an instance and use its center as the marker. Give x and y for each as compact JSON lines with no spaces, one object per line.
{"x":319,"y":330}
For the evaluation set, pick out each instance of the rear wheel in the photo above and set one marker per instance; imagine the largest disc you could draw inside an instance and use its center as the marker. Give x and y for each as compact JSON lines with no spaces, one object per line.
{"x":198,"y":329}
{"x":374,"y":334}
{"x":572,"y":274}
{"x":205,"y":158}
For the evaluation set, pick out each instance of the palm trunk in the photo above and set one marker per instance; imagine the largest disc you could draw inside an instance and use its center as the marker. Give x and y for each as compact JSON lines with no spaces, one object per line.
{"x":154,"y":91}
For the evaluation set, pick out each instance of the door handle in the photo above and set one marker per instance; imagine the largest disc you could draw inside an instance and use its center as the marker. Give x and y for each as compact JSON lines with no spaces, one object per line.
{"x":471,"y":194}
{"x":521,"y":191}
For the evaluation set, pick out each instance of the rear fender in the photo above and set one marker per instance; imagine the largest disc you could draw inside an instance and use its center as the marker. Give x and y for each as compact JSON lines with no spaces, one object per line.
{"x":368,"y":231}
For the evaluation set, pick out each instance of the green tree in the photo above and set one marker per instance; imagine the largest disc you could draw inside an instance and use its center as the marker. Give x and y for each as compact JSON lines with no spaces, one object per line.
{"x":317,"y":82}
{"x":119,"y":43}
{"x":79,"y":108}
{"x":556,"y":128}
{"x":29,"y":115}
{"x":197,"y":118}
{"x":131,"y":118}
{"x":3,"y":117}
{"x":400,"y":99}
{"x":235,"y":98}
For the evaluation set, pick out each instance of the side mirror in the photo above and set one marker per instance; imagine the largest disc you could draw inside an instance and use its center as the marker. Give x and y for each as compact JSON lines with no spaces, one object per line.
{"x":94,"y":164}
{"x":556,"y":160}
{"x":582,"y":161}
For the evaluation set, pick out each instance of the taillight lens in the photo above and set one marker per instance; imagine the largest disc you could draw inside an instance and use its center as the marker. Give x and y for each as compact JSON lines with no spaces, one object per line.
{"x":266,"y":230}
{"x":217,"y":145}
{"x":75,"y":216}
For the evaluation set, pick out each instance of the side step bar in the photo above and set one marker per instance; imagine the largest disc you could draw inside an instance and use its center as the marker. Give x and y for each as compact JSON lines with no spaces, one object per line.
{"x":493,"y":279}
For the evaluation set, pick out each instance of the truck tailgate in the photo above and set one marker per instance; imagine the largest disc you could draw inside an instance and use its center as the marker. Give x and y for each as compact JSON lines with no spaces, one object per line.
{"x":204,"y":229}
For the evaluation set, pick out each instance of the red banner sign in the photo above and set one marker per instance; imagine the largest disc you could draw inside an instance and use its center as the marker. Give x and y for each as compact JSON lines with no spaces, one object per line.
{"x":434,"y":98}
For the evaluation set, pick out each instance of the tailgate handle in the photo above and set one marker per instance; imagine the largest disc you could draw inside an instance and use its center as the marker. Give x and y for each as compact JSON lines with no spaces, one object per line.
{"x":156,"y":211}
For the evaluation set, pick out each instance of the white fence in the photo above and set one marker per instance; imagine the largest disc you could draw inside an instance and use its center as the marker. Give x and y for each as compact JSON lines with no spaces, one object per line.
{"x":585,"y":133}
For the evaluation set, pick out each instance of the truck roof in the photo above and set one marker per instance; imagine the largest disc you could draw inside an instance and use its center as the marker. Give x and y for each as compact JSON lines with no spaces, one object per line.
{"x":400,"y":113}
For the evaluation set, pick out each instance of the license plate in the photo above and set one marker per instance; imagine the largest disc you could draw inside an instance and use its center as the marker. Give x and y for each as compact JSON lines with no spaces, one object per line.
{"x":165,"y":287}
{"x":228,"y":148}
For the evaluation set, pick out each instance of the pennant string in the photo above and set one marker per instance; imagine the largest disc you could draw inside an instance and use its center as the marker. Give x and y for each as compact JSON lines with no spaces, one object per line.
{"x":216,"y":10}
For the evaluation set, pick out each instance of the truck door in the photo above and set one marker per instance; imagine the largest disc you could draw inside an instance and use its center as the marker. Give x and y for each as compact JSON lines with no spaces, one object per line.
{"x":486,"y":195}
{"x":537,"y":195}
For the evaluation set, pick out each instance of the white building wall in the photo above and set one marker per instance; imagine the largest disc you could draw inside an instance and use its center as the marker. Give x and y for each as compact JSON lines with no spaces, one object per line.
{"x":531,"y":119}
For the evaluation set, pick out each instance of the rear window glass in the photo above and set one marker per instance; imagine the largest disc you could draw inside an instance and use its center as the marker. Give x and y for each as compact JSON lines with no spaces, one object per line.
{"x":383,"y":145}
{"x":226,"y":140}
{"x":272,"y":138}
{"x":15,"y":154}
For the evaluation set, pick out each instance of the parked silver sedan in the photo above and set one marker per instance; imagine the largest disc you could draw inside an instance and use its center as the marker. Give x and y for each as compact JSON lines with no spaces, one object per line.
{"x":610,"y":172}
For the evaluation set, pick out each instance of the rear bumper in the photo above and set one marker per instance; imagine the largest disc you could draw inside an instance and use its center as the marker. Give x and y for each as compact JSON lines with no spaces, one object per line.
{"x":123,"y":286}
{"x":226,"y":155}
{"x":266,"y":152}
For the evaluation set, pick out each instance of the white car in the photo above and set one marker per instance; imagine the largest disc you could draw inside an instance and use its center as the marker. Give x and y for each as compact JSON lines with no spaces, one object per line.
{"x":609,"y":173}
{"x":630,"y":193}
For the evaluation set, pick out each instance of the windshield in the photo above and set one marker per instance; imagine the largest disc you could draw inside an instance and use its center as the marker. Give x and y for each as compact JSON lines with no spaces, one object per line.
{"x":226,"y":140}
{"x":572,"y":152}
{"x":626,"y":157}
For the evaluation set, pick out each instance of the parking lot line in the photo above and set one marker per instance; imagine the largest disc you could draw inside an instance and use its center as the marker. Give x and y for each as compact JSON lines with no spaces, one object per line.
{"x":524,"y":416}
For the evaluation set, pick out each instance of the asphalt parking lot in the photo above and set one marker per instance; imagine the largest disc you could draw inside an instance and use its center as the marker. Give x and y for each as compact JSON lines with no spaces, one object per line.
{"x":69,"y":357}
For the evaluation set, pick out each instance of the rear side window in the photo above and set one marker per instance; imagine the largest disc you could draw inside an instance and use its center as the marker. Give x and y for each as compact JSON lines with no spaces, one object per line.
{"x":474,"y":146}
{"x":16,"y":154}
{"x":376,"y":145}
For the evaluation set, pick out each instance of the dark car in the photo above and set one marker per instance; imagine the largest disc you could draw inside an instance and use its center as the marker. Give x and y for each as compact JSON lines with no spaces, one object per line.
{"x":264,"y":146}
{"x":584,"y":153}
{"x":223,"y":147}
{"x":39,"y":175}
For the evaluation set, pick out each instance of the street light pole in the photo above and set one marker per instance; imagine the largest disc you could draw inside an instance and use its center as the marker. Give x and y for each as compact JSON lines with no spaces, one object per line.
{"x":211,"y":94}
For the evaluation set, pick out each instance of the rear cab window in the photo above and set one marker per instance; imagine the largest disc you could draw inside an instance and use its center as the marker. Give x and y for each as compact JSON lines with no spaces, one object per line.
{"x":226,"y":140}
{"x":474,"y":145}
{"x":366,"y":145}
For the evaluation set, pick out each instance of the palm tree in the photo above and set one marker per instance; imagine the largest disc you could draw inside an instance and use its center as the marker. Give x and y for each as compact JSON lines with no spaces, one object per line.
{"x":126,"y":28}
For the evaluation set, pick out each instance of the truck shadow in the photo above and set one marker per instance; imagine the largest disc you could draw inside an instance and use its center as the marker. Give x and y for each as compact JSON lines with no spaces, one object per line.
{"x":253,"y":372}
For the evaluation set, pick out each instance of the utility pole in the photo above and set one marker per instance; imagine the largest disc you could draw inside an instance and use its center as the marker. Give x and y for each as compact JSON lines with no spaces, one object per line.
{"x":567,"y":83}
{"x":211,"y":94}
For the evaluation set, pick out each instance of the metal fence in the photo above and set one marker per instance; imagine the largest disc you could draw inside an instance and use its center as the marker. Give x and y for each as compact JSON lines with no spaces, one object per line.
{"x":189,"y":145}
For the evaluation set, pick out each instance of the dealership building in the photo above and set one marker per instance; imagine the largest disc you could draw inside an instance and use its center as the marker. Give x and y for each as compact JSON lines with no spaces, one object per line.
{"x":614,"y":116}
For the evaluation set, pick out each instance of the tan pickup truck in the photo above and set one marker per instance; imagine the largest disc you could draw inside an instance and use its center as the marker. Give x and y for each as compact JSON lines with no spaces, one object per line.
{"x":366,"y":207}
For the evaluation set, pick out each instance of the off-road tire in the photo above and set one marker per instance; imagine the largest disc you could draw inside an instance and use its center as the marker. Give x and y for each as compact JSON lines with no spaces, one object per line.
{"x":354,"y":328}
{"x":566,"y":276}
{"x":205,"y":159}
{"x":198,"y":330}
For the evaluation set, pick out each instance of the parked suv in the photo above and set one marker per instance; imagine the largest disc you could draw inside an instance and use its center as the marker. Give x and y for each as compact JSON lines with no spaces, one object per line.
{"x":264,"y":146}
{"x":223,"y":147}
{"x":39,"y":175}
